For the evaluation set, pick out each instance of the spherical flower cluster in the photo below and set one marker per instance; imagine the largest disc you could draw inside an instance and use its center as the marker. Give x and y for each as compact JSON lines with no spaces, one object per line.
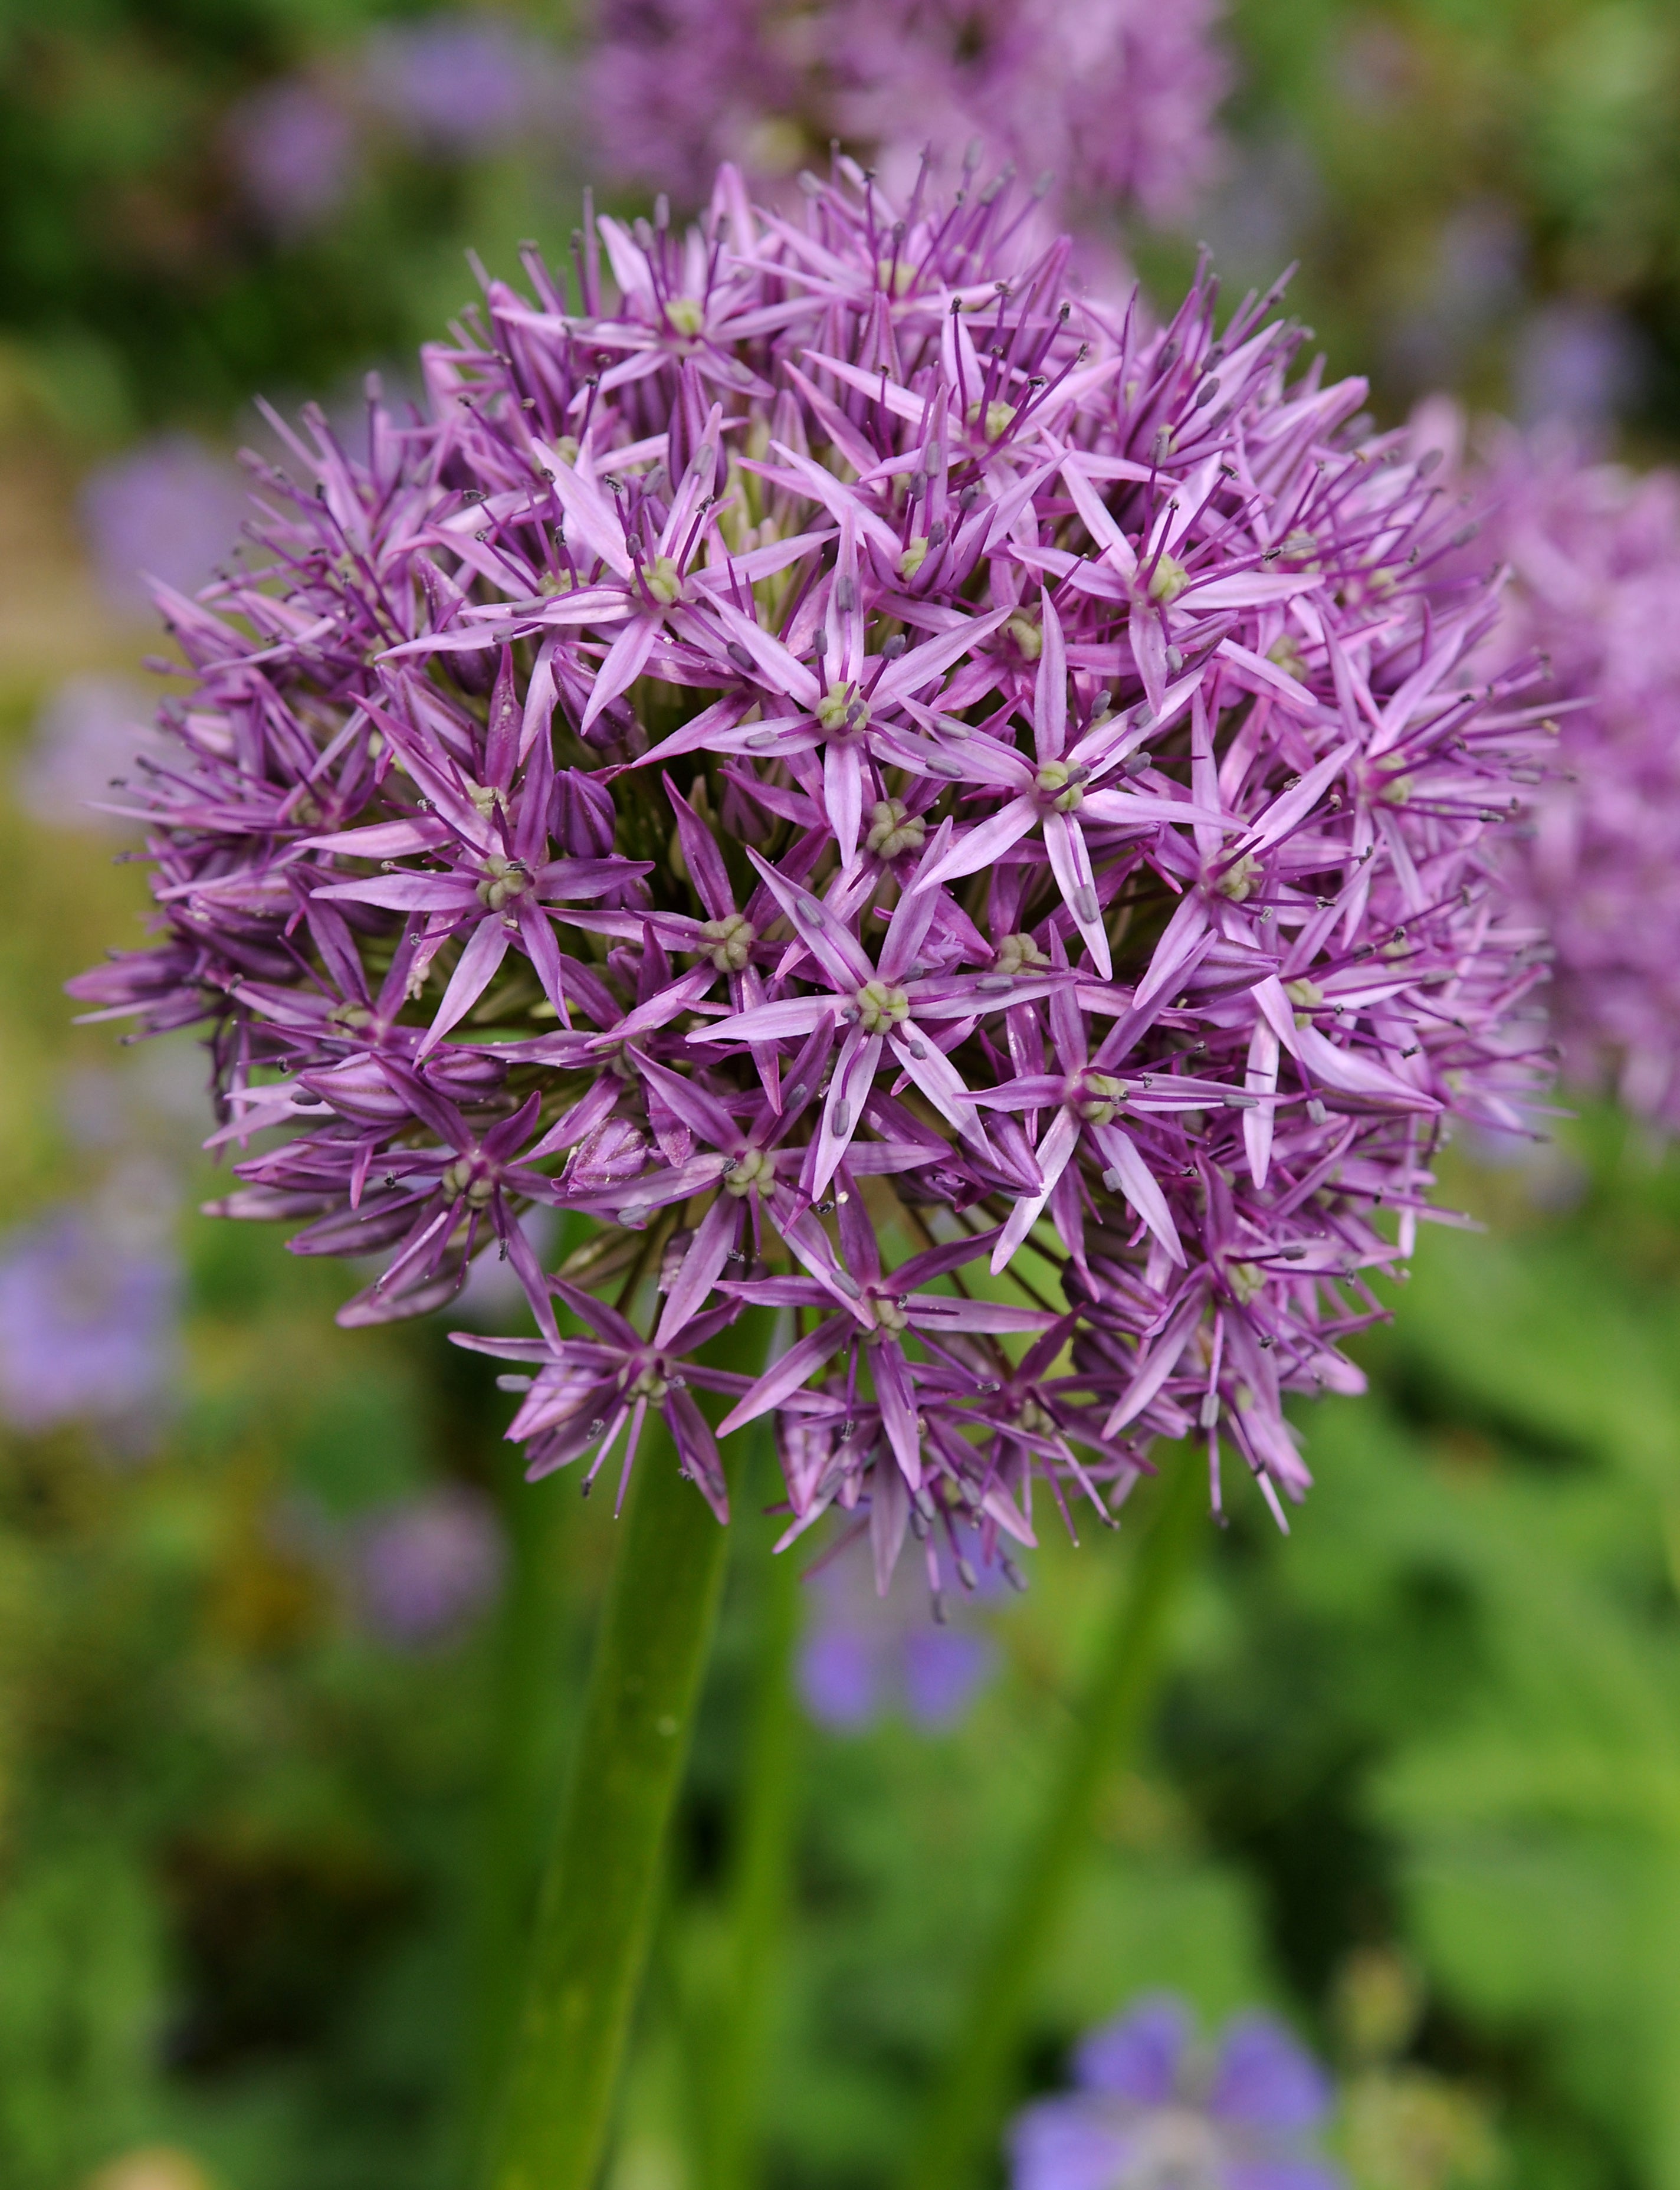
{"x":1111,"y":101}
{"x":921,"y":805}
{"x":1593,"y":557}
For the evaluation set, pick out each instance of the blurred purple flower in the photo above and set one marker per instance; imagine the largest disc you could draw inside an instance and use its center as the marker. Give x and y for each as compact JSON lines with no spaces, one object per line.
{"x":455,"y":83}
{"x":293,"y":148}
{"x":169,"y":508}
{"x":1270,"y":195}
{"x":86,"y":1325}
{"x":863,"y":1655}
{"x":91,"y":731}
{"x":425,"y":1569}
{"x":942,"y":1672}
{"x":1594,"y":559}
{"x":93,"y":1109}
{"x":1153,"y":2111}
{"x":839,"y":1677}
{"x":1375,"y":67}
{"x":1113,"y":98}
{"x":1477,"y":271}
{"x":1577,"y":363}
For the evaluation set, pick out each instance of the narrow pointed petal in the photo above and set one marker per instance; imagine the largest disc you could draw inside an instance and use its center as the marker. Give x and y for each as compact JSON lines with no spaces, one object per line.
{"x":1055,"y":1152}
{"x":1137,"y":1182}
{"x":473,"y":975}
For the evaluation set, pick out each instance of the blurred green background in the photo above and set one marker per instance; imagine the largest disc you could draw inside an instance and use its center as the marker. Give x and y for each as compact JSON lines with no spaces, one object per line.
{"x":271,"y":1595}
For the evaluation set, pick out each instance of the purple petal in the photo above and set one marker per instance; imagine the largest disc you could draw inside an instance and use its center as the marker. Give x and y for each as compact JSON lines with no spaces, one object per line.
{"x":1140,"y":2056}
{"x":786,"y":1376}
{"x":839,"y":1678}
{"x":473,"y":975}
{"x":1063,"y":2144}
{"x":943,"y":1668}
{"x":1266,"y":2079}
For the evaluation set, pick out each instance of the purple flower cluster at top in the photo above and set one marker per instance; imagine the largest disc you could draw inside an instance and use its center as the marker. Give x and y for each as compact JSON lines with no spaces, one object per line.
{"x":921,"y":805}
{"x":1113,"y":100}
{"x":1150,"y":2114}
{"x":1593,"y":556}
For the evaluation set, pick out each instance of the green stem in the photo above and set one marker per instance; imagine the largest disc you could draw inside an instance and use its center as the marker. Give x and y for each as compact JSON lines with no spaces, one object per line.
{"x":759,"y":1882}
{"x":527,"y":1709}
{"x":599,"y":1895}
{"x":971,"y":2095}
{"x":529,"y":1718}
{"x":1662,"y":2018}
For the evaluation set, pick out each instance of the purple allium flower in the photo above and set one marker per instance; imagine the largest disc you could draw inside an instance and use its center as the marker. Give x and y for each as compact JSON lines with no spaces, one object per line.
{"x":1152,"y":2112}
{"x":1113,"y":100}
{"x":86,"y":1325}
{"x":861,"y":1654}
{"x":425,"y":1569}
{"x":88,"y":739}
{"x":457,"y":83}
{"x":167,"y":509}
{"x":293,"y":148}
{"x":1593,"y":556}
{"x":924,"y":806}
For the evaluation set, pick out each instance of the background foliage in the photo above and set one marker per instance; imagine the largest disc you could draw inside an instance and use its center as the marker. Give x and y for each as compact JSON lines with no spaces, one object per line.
{"x":1416,"y":1782}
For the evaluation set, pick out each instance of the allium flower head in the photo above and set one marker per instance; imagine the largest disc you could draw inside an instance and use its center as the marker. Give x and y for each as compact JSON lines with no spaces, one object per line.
{"x":917,"y":803}
{"x":1593,"y":558}
{"x":1152,"y":2112}
{"x":1109,"y":102}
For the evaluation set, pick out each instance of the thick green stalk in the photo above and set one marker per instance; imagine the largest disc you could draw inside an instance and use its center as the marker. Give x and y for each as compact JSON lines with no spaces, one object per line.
{"x":598,"y":1897}
{"x":972,"y":2095}
{"x":527,"y":1711}
{"x":761,"y":1872}
{"x":1662,"y":2017}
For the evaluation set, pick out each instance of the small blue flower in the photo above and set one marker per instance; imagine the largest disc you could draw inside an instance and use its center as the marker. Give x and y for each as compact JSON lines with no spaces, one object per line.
{"x":1155,"y":2111}
{"x":863,"y":1655}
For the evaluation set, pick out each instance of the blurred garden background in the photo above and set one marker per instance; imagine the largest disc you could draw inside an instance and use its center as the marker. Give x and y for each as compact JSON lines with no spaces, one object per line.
{"x":272,"y":1596}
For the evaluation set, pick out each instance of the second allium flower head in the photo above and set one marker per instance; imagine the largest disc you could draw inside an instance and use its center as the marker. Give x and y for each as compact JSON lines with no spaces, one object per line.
{"x":917,"y":799}
{"x":1593,"y":558}
{"x":1103,"y":104}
